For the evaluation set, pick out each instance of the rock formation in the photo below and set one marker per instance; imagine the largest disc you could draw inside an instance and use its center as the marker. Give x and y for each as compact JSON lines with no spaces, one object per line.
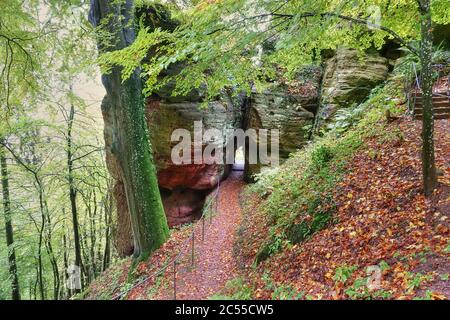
{"x":348,"y":79}
{"x":290,"y":108}
{"x":184,"y":187}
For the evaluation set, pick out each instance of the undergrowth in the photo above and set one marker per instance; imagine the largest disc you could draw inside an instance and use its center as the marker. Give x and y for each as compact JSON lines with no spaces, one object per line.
{"x":297,"y":197}
{"x":235,"y":289}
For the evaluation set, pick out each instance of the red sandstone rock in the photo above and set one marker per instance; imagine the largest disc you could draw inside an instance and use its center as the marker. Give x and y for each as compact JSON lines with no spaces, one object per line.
{"x":193,"y":176}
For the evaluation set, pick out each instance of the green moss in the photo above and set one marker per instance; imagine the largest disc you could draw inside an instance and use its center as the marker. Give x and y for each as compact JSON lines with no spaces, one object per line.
{"x":134,"y":155}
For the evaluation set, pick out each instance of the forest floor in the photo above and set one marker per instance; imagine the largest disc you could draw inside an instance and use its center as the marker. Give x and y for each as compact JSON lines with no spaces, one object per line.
{"x":214,"y":261}
{"x":382,"y":220}
{"x":214,"y":264}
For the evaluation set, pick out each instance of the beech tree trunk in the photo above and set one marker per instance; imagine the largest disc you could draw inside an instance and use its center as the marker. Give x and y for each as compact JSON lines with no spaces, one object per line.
{"x":15,"y":291}
{"x":426,"y":51}
{"x":130,"y":145}
{"x":73,"y":194}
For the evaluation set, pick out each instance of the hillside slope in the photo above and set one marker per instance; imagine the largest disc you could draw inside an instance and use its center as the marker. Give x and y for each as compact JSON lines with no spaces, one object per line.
{"x":346,"y":208}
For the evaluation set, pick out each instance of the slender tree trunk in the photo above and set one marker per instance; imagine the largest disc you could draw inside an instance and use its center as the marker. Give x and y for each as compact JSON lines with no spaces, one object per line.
{"x":107,"y":251}
{"x":92,"y":231}
{"x":40,"y":266}
{"x":66,"y":258}
{"x":73,"y":194}
{"x":54,"y":264}
{"x":36,"y":282}
{"x":426,"y":51}
{"x":131,"y":148}
{"x":51,"y":253}
{"x":15,"y":290}
{"x":108,"y":216}
{"x":41,"y":239}
{"x":84,"y":252}
{"x":41,"y":229}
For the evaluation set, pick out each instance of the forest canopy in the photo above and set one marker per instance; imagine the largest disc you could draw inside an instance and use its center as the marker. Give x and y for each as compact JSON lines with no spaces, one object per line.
{"x":240,"y":44}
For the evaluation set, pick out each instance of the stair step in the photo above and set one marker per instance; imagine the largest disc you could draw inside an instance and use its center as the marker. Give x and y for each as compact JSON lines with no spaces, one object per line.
{"x":436,"y":116}
{"x":435,"y":98}
{"x":435,"y":105}
{"x":435,"y":94}
{"x":436,"y":111}
{"x":439,"y":102}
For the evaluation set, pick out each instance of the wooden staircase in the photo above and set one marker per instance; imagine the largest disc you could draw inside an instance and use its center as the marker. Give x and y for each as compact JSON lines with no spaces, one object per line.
{"x":441,"y":106}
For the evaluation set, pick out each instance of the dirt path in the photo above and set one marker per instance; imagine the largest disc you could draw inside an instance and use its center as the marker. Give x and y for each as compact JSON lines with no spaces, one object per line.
{"x":214,"y":263}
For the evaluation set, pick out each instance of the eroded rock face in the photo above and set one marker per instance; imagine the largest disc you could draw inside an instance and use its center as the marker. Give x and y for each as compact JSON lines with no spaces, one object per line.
{"x":348,"y":79}
{"x":184,"y":187}
{"x":182,"y":205}
{"x":290,"y":109}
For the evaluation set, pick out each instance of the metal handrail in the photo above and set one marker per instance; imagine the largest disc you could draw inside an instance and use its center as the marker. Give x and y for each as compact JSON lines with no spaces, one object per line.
{"x":441,"y":67}
{"x":416,"y":78}
{"x":174,"y":261}
{"x":417,"y":83}
{"x":448,"y":81}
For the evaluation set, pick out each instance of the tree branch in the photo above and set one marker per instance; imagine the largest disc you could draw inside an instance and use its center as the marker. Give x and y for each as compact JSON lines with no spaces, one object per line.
{"x":376,"y":26}
{"x":323,"y":15}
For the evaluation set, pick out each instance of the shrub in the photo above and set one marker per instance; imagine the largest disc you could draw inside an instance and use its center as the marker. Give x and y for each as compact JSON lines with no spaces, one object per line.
{"x":321,"y":212}
{"x":321,"y":156}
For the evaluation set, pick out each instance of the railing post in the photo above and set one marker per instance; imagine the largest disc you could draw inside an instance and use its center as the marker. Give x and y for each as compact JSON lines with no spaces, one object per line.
{"x":203,"y":228}
{"x":175,"y":280}
{"x":217,"y":198}
{"x":192,"y":251}
{"x":210,"y":214}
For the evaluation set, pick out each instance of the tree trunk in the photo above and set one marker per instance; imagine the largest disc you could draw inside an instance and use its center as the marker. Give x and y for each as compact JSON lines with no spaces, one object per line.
{"x":130,"y":145}
{"x":51,"y":253}
{"x":426,"y":51}
{"x":92,"y":232}
{"x":73,"y":194}
{"x":40,"y":273}
{"x":108,"y":215}
{"x":15,"y":291}
{"x":41,"y":236}
{"x":65,"y":259}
